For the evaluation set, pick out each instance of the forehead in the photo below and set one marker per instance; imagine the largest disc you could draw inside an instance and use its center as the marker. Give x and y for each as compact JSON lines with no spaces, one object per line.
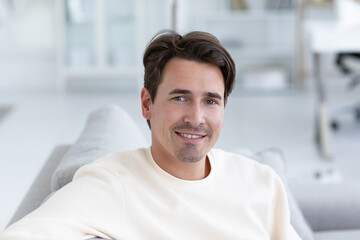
{"x":182,"y":73}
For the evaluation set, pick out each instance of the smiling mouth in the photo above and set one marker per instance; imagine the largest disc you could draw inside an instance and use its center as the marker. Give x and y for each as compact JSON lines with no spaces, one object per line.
{"x":190,"y":136}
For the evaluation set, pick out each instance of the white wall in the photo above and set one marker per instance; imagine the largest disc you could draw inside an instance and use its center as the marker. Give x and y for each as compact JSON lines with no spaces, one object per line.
{"x":27,"y":45}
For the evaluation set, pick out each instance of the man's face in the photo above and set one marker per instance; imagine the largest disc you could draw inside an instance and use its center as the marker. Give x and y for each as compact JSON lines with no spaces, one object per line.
{"x":187,"y":114}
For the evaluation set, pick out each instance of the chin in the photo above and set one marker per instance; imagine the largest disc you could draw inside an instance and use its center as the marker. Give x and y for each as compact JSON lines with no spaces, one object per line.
{"x":190,"y":155}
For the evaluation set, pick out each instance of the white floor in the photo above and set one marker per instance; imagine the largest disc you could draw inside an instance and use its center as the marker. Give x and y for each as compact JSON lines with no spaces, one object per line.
{"x":40,"y":121}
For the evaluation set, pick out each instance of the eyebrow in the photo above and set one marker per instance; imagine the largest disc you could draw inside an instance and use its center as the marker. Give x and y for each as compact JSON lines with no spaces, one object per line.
{"x":185,"y":91}
{"x":179,"y":91}
{"x":213,"y":95}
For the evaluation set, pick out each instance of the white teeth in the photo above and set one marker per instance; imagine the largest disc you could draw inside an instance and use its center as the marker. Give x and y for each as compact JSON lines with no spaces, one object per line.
{"x":189,"y":135}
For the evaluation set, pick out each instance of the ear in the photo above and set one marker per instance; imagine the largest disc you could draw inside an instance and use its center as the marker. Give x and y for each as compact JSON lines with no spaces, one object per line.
{"x":146,"y":103}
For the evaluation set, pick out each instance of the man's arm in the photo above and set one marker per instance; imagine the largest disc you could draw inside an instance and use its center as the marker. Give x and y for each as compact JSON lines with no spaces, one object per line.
{"x":281,"y":228}
{"x":91,"y":205}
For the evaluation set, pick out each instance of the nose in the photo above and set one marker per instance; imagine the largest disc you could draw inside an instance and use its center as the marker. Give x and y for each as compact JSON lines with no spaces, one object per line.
{"x":195,"y":115}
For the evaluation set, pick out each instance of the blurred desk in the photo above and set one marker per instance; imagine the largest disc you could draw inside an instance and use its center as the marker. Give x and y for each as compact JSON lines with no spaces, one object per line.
{"x":328,"y":37}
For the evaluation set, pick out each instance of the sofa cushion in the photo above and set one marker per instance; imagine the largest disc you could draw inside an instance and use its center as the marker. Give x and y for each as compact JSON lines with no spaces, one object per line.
{"x":338,"y":235}
{"x":275,"y":159}
{"x":329,"y":206}
{"x":40,"y":188}
{"x":110,"y":129}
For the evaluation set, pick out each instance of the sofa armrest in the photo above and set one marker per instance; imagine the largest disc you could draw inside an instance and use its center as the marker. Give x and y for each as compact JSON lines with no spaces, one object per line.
{"x":40,"y":188}
{"x":329,"y":206}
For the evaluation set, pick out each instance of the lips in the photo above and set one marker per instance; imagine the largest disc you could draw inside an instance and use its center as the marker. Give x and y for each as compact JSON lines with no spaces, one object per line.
{"x":190,"y":136}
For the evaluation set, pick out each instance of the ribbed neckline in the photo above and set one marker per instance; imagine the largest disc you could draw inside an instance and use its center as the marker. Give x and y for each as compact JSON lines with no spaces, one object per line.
{"x":177,"y":181}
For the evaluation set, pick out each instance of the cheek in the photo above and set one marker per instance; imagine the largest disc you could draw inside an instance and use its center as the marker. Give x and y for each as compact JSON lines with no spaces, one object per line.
{"x":219,"y":124}
{"x":216,"y":121}
{"x":167,"y":115}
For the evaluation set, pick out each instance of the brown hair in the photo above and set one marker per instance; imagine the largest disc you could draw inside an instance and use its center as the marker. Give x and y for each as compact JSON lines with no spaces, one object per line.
{"x":196,"y":46}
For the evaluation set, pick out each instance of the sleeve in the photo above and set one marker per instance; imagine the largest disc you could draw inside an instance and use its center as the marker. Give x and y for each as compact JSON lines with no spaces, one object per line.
{"x":280,"y":217}
{"x":92,"y":205}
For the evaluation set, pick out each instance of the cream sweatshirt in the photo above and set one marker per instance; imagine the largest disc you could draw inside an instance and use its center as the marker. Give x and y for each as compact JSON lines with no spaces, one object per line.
{"x":128,"y":196}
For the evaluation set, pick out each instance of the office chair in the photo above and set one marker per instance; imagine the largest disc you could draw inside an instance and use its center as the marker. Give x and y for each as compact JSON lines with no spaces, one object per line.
{"x":349,"y":64}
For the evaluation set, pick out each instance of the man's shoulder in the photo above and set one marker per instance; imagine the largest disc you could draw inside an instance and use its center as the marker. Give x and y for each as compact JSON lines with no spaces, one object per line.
{"x":114,"y":164}
{"x":120,"y":158}
{"x":231,"y":157}
{"x":241,"y":164}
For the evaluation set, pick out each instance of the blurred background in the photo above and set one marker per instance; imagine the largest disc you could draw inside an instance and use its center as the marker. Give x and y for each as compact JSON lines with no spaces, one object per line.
{"x":297,"y":89}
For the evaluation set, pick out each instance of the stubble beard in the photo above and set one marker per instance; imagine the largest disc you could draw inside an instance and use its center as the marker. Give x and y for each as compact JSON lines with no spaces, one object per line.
{"x":190,"y":152}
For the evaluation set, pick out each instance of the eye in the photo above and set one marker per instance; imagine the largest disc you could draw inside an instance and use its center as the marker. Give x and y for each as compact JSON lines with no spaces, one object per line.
{"x":179,"y":98}
{"x":211,"y":102}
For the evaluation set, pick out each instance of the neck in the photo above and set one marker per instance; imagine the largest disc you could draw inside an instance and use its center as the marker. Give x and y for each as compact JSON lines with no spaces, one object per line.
{"x":183,"y":170}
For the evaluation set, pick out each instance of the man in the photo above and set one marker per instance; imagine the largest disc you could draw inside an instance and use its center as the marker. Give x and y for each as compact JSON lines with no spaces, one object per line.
{"x":179,"y":188}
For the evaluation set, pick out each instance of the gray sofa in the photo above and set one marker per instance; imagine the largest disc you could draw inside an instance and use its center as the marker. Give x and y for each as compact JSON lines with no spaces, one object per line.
{"x":318,"y":211}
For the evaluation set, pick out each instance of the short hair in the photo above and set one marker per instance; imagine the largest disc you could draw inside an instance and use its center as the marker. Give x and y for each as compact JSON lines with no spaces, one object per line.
{"x":194,"y":46}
